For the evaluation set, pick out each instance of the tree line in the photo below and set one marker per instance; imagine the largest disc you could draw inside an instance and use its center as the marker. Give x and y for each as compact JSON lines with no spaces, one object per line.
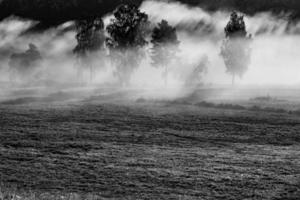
{"x":126,"y":40}
{"x":130,"y":37}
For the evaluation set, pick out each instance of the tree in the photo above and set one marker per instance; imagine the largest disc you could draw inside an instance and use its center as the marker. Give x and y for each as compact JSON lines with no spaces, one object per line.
{"x":165,"y":46}
{"x":25,"y":63}
{"x":90,"y":39}
{"x":194,"y":79}
{"x":235,"y":48}
{"x":127,"y":39}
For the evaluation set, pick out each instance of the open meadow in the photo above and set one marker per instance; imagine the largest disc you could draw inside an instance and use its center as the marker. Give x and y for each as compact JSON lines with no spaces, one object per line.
{"x":122,"y":146}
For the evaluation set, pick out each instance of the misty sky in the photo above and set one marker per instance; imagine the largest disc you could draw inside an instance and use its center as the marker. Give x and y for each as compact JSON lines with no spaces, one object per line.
{"x":58,"y":11}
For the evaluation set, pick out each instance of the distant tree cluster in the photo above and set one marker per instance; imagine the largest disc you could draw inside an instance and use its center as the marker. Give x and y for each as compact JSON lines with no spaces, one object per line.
{"x":127,"y":37}
{"x":126,"y":41}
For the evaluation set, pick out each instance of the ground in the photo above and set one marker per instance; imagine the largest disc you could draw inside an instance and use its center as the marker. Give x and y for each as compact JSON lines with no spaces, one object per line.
{"x":104,"y":148}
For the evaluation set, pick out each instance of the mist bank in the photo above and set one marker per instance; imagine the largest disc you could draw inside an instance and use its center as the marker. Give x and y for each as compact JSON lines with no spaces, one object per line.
{"x":275,"y":45}
{"x":274,"y":58}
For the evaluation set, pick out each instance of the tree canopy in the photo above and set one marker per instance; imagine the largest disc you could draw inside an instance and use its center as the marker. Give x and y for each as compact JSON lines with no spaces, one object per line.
{"x":165,"y":44}
{"x":127,"y":28}
{"x":90,"y":36}
{"x":236,"y":26}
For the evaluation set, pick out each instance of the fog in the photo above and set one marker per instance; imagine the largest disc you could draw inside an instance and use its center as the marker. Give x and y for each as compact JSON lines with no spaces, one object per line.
{"x":274,"y":61}
{"x":275,"y":46}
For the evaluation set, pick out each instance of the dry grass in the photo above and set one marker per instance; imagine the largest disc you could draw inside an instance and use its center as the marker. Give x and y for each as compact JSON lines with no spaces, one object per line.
{"x":148,"y":151}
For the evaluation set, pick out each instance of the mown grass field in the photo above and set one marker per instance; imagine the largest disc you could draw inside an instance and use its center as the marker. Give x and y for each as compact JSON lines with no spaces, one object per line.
{"x":147,"y":150}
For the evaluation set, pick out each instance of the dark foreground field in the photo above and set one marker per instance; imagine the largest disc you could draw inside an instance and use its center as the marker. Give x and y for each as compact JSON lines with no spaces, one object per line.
{"x":143,"y":150}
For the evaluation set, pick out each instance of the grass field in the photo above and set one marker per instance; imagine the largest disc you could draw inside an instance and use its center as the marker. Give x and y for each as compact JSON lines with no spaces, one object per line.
{"x":104,"y":148}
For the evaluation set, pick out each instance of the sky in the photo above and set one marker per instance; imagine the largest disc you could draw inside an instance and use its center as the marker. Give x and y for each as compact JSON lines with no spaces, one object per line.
{"x":59,"y":11}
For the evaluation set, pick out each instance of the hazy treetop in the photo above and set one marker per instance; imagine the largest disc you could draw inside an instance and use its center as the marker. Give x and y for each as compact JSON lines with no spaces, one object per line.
{"x":164,"y":33}
{"x":236,"y":27}
{"x":126,"y":29}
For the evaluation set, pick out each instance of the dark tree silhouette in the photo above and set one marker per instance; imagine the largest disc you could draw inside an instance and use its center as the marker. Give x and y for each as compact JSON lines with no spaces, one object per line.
{"x":127,"y":39}
{"x":165,"y":46}
{"x":235,"y":48}
{"x":90,"y":39}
